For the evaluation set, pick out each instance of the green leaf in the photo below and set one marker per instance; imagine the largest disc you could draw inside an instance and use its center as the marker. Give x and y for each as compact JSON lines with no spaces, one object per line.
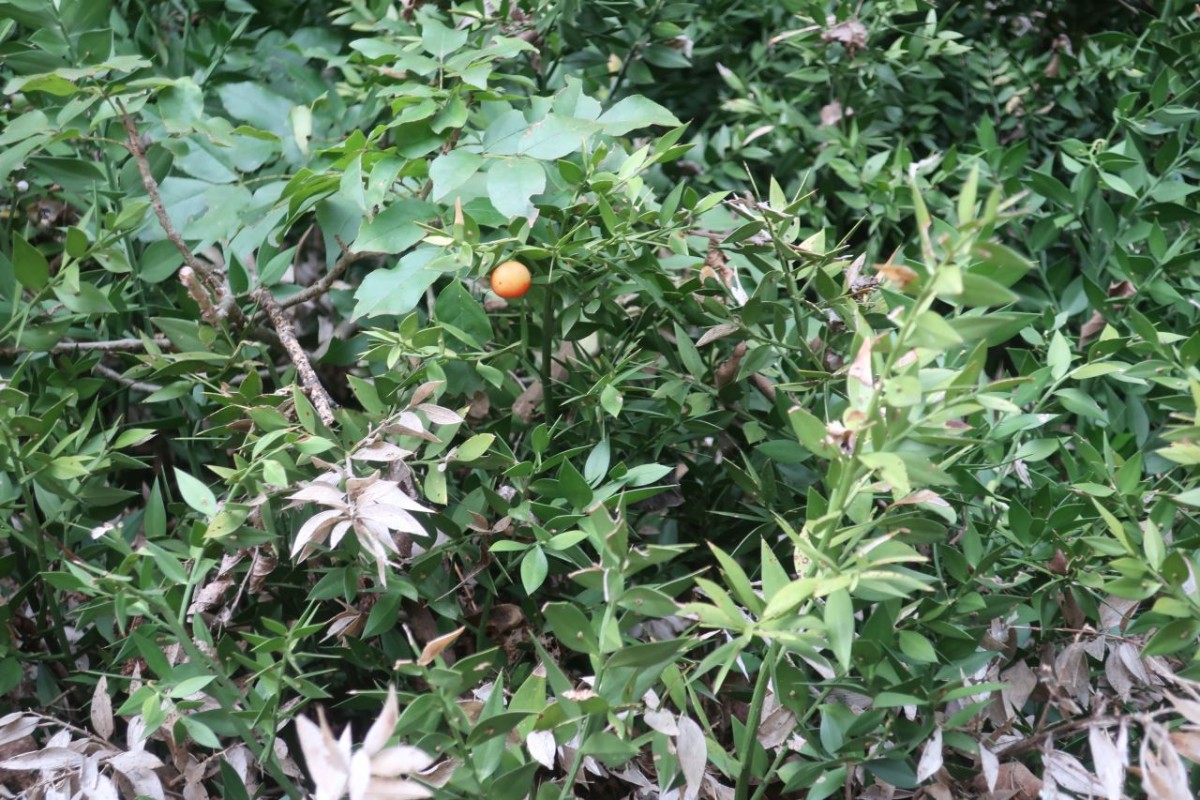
{"x":596,"y":466}
{"x":474,"y":447}
{"x":462,"y":315}
{"x":891,"y":468}
{"x":395,"y":230}
{"x":995,"y":328}
{"x":159,"y":261}
{"x":29,"y":265}
{"x":809,"y":430}
{"x":646,"y":474}
{"x":511,"y":184}
{"x":195,"y":493}
{"x":688,"y":353}
{"x":399,"y":290}
{"x":839,"y":625}
{"x":611,"y":400}
{"x":917,"y":647}
{"x":1058,"y":356}
{"x":189,"y":686}
{"x":534,"y":568}
{"x":452,"y":170}
{"x":440,"y":41}
{"x":572,"y":629}
{"x":1172,"y":637}
{"x":548,"y":139}
{"x":636,"y":112}
{"x":738,"y":581}
{"x":978,"y":291}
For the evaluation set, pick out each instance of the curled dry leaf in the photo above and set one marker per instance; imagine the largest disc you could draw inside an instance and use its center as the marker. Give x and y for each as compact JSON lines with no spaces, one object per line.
{"x":1110,"y":759}
{"x":832,"y":113}
{"x":1021,"y":682}
{"x":860,"y":369}
{"x":434,"y":647}
{"x":776,"y":728}
{"x":850,"y":33}
{"x":374,"y":771}
{"x":1014,"y":781}
{"x":898,"y":275}
{"x":727,"y":371}
{"x":717,"y":332}
{"x":370,"y":506}
{"x":1164,"y":776}
{"x":1187,"y":744}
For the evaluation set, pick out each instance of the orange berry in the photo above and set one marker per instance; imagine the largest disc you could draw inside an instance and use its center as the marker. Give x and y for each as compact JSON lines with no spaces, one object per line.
{"x":511,"y":279}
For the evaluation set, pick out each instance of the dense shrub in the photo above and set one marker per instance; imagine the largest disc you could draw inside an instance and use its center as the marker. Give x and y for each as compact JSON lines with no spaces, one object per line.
{"x":842,"y":445}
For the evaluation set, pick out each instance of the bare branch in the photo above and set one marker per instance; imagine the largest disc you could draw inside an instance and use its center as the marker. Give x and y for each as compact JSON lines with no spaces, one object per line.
{"x":109,"y":346}
{"x":208,"y":273}
{"x":134,"y":143}
{"x":287,"y":337}
{"x":322,"y":286}
{"x":113,"y":375}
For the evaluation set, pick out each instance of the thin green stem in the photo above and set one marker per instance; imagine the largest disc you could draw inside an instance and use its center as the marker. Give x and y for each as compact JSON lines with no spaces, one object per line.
{"x":567,"y":791}
{"x":750,"y":732}
{"x":548,"y":351}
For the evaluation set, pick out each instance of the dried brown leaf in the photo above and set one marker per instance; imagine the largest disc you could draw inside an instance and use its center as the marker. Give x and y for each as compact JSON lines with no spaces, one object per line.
{"x":1110,"y":759}
{"x":860,"y":369}
{"x":399,"y":759}
{"x":424,"y":391}
{"x":101,"y":711}
{"x":989,"y":766}
{"x":395,"y":789}
{"x":1014,"y":781}
{"x":434,"y":647}
{"x":931,"y":757}
{"x":1071,"y":671}
{"x":831,"y":113}
{"x":384,"y":725}
{"x":1164,"y":776}
{"x":322,"y":493}
{"x":1068,"y":772}
{"x":776,"y":728}
{"x":850,"y":33}
{"x":439,"y":415}
{"x":727,"y":371}
{"x":314,"y":531}
{"x":717,"y":332}
{"x":542,"y":747}
{"x":48,"y":758}
{"x":381,"y":451}
{"x":692,"y":750}
{"x":1187,"y":744}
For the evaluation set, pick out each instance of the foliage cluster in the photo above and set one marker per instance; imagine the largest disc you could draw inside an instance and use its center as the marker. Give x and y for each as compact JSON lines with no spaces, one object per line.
{"x":842,"y":445}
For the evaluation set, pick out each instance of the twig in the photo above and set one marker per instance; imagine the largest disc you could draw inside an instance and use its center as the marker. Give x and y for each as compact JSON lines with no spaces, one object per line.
{"x":138,"y":386}
{"x":764,"y":385}
{"x":223,"y":294}
{"x":1035,"y":740}
{"x":320,"y":287}
{"x":109,"y":346}
{"x":134,"y":143}
{"x":287,"y":337}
